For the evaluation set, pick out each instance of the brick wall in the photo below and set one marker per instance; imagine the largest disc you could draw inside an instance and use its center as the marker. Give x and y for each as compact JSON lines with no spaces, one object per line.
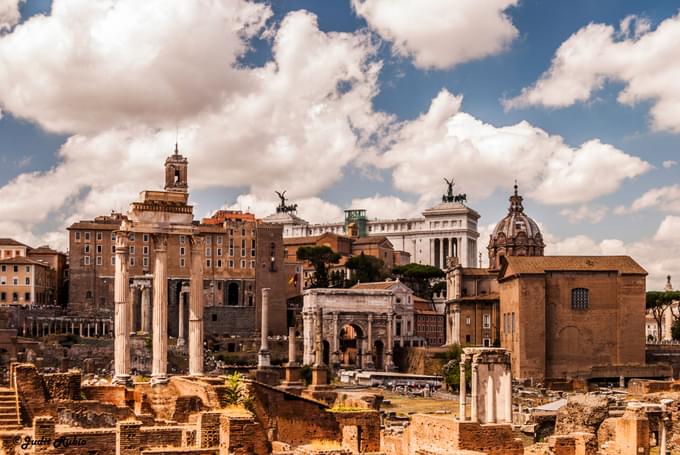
{"x":63,"y":386}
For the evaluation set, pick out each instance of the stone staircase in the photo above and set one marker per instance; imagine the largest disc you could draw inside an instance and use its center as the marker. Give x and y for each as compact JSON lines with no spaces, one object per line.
{"x":9,"y":410}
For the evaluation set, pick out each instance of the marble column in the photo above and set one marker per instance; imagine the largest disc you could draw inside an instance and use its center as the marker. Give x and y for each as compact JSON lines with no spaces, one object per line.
{"x":473,"y":399}
{"x":307,"y":337}
{"x":131,"y":310}
{"x":121,"y":332}
{"x":335,"y":357}
{"x":462,"y":391}
{"x":370,"y":365}
{"x":146,"y":309}
{"x":318,"y":338}
{"x":291,"y":346}
{"x":196,"y":307}
{"x":159,"y":363}
{"x":455,"y":324}
{"x":263,"y":357}
{"x":490,"y":394}
{"x":181,"y":341}
{"x":389,"y":362}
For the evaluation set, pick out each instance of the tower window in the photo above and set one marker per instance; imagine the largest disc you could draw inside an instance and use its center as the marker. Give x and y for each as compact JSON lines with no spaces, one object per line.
{"x":579,"y":299}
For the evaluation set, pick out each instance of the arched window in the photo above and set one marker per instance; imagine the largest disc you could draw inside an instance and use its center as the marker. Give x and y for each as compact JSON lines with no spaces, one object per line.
{"x":579,"y":299}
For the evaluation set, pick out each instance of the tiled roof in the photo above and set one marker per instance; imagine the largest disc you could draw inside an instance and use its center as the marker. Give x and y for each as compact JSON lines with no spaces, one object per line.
{"x":476,"y":271}
{"x":372,"y":239}
{"x":22,"y":260}
{"x":44,"y":250}
{"x":515,"y":265}
{"x":12,"y":242}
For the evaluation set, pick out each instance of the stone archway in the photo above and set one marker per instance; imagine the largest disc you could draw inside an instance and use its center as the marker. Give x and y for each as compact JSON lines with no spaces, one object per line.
{"x":350,"y":338}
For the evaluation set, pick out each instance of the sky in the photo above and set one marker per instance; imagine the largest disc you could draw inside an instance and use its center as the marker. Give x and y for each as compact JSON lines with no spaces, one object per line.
{"x":350,"y":104}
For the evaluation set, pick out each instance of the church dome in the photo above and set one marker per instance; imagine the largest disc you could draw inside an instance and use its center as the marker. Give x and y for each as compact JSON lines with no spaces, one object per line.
{"x":515,"y":235}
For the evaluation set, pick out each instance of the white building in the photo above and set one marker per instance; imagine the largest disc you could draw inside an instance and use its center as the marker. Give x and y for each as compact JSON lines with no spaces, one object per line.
{"x":447,"y":229}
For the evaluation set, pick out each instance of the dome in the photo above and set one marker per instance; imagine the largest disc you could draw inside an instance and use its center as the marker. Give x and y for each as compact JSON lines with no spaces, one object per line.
{"x":515,"y":235}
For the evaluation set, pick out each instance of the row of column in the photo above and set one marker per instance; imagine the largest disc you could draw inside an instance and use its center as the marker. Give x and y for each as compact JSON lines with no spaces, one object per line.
{"x":491,"y":394}
{"x":159,"y":310}
{"x":443,"y":247}
{"x":87,"y":328}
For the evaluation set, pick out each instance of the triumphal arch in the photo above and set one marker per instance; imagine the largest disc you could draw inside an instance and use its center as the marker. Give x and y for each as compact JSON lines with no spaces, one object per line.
{"x":162,"y":217}
{"x":349,"y":328}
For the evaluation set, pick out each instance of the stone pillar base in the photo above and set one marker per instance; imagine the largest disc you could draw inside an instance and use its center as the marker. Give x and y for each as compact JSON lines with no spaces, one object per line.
{"x":319,"y":378}
{"x":264,"y":359}
{"x":122,"y":379}
{"x":159,"y":380}
{"x":292,"y":374}
{"x":268,"y":376}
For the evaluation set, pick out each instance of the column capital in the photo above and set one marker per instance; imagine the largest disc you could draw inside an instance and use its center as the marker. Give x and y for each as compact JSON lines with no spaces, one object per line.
{"x":160,"y":242}
{"x":121,"y":242}
{"x":197,"y":243}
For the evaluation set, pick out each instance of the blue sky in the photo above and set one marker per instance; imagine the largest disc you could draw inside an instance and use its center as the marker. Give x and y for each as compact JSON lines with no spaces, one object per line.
{"x":30,"y":140}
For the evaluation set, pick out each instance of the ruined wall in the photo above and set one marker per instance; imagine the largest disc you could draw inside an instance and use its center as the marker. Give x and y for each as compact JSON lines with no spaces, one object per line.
{"x":63,"y":386}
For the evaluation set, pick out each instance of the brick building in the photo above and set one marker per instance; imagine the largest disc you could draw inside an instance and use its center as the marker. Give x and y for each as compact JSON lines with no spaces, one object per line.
{"x":428,"y":322}
{"x":564,"y":316}
{"x":242,"y":255}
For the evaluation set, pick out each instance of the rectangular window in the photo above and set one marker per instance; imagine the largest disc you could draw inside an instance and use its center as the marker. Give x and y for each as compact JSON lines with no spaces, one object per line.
{"x":99,"y":260}
{"x":208,"y":239}
{"x":243,"y":264}
{"x":145,"y":250}
{"x":468,"y":321}
{"x":132,"y":261}
{"x":86,"y":249}
{"x":99,"y":236}
{"x":132,"y":249}
{"x":87,"y":236}
{"x":231,"y":263}
{"x":3,"y":280}
{"x":219,"y":263}
{"x":219,"y":251}
{"x":231,"y":247}
{"x":113,"y":236}
{"x":28,"y":269}
{"x":132,"y":237}
{"x":3,"y":296}
{"x":219,"y":240}
{"x":208,"y":252}
{"x":182,"y":251}
{"x":99,"y":249}
{"x":86,"y":260}
{"x":16,"y":269}
{"x":113,"y":260}
{"x":252,"y":264}
{"x":182,"y":262}
{"x":512,"y":323}
{"x":27,"y":296}
{"x":3,"y":268}
{"x":252,"y":247}
{"x":243,"y":232}
{"x":27,"y":281}
{"x":486,"y":321}
{"x":145,"y":262}
{"x":145,"y":238}
{"x":579,"y":299}
{"x":208,"y":263}
{"x":15,"y":281}
{"x":231,"y":232}
{"x":77,"y":236}
{"x":182,"y":238}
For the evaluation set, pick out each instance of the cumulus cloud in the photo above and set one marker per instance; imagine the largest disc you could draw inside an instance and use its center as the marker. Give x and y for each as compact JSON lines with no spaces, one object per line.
{"x":645,"y":61}
{"x":314,"y":95}
{"x":453,"y":142}
{"x":121,"y":63}
{"x":665,"y":199}
{"x":438,"y":33}
{"x":592,"y":214}
{"x":669,"y":164}
{"x":9,"y":14}
{"x":312,"y":209}
{"x":385,"y":207}
{"x":658,"y":254}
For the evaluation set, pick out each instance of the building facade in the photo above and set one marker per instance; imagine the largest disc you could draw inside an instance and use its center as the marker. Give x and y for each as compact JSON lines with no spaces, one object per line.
{"x":572,"y":316}
{"x":24,"y":281}
{"x":447,"y":229}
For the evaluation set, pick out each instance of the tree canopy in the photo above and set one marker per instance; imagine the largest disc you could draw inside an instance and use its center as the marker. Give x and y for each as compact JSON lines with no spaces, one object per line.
{"x":657,"y":303}
{"x":366,"y":269}
{"x":420,"y":277}
{"x":320,"y":257}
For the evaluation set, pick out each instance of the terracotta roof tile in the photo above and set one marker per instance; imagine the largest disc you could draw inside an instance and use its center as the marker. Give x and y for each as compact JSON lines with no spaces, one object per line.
{"x":514,"y":265}
{"x":11,"y":242}
{"x":22,"y":260}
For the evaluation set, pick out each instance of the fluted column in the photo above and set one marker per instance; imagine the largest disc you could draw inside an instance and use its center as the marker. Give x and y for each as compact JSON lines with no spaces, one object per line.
{"x":121,"y":361}
{"x":474,"y":417}
{"x":318,"y":339}
{"x":146,"y":309}
{"x":181,"y":340}
{"x":307,"y":337}
{"x":196,"y":307}
{"x":389,"y":361}
{"x":263,"y":357}
{"x":159,"y":365}
{"x":131,"y":310}
{"x":461,"y":388}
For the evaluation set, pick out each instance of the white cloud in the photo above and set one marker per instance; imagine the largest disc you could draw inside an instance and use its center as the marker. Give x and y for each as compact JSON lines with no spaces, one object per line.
{"x":659,"y":255}
{"x":385,"y":207}
{"x":314,"y":95}
{"x":438,"y":33}
{"x":645,"y":61}
{"x":592,"y":214}
{"x":447,"y":141}
{"x":665,"y":199}
{"x":313,"y":209}
{"x":669,"y":164}
{"x":9,"y":14}
{"x":121,"y":63}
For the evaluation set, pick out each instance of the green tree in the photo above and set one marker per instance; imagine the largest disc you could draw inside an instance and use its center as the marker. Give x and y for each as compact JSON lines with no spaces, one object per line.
{"x":420,"y":278}
{"x":657,"y":303}
{"x":320,"y":257}
{"x":365,"y":269}
{"x":235,"y":392}
{"x":451,"y":371}
{"x":675,"y":330}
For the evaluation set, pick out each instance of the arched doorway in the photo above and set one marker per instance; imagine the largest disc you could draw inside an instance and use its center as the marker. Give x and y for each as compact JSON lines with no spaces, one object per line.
{"x":379,"y":355}
{"x":232,"y":294}
{"x":350,"y":345}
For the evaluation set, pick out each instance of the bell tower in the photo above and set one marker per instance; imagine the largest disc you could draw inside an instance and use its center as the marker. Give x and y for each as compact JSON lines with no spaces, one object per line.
{"x":176,"y":167}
